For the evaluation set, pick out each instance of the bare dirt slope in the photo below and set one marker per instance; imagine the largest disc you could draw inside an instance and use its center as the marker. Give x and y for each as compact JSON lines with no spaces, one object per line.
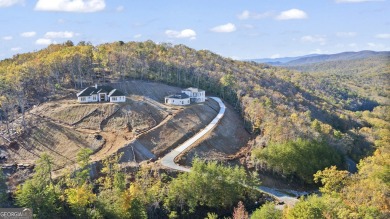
{"x":185,"y":122}
{"x":222,"y":143}
{"x":45,"y":136}
{"x":61,"y":128}
{"x":142,"y":128}
{"x":152,"y":90}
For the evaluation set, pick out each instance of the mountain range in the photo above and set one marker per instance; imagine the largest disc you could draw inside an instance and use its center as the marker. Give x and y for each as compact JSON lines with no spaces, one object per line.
{"x":316,"y":58}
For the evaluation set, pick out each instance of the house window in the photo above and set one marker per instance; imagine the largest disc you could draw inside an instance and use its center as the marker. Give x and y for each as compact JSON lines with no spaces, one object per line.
{"x":93,"y":97}
{"x":114,"y":98}
{"x":83,"y":99}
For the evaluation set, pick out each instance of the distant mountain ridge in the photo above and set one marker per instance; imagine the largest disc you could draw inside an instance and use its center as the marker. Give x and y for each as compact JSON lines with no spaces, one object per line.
{"x":316,"y":58}
{"x":280,"y":61}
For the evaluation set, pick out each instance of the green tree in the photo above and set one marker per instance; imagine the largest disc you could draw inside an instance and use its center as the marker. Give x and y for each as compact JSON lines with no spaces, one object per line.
{"x":83,"y":158}
{"x":206,"y":185}
{"x":111,"y":170}
{"x":300,"y":157}
{"x":311,"y":208}
{"x":39,"y":193}
{"x":211,"y":216}
{"x":332,"y":180}
{"x":267,"y":211}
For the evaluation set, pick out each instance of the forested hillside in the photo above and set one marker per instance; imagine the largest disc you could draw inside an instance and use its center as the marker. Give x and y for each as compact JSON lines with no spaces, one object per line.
{"x":283,"y":109}
{"x":366,"y":74}
{"x":277,"y":104}
{"x":344,"y":56}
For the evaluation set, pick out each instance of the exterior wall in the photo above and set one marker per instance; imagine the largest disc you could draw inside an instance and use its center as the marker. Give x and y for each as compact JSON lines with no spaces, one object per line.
{"x":197,"y":97}
{"x":118,"y":99}
{"x":189,"y":93}
{"x":178,"y":102}
{"x":93,"y":98}
{"x":83,"y":99}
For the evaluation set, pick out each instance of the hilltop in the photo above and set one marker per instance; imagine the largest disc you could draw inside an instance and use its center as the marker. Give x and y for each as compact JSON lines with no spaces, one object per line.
{"x":142,"y":128}
{"x":283,"y":124}
{"x":275,"y":104}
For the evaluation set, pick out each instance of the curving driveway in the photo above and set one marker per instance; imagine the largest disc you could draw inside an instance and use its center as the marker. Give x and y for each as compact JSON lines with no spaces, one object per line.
{"x":168,"y":160}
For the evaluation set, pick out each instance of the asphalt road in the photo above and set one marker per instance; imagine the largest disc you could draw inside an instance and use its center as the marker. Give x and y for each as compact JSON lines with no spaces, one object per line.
{"x":168,"y":160}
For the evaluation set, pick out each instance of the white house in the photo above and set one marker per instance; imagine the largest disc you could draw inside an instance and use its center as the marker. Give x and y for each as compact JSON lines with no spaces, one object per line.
{"x":100,"y":94}
{"x":179,"y":99}
{"x":196,"y":95}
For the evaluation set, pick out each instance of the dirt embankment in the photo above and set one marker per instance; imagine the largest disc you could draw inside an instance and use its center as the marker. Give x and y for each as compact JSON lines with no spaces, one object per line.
{"x":228,"y":139}
{"x":142,"y":128}
{"x":63,"y":127}
{"x":186,"y":122}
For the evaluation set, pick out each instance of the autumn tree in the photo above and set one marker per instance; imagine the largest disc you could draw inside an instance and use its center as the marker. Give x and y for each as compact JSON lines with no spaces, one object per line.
{"x":40,"y":193}
{"x":240,"y":212}
{"x":193,"y":189}
{"x":267,"y":211}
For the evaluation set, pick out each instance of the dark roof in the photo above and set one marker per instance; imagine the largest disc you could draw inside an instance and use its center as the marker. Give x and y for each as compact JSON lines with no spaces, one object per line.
{"x":179,"y":96}
{"x":99,"y":89}
{"x":117,"y":93}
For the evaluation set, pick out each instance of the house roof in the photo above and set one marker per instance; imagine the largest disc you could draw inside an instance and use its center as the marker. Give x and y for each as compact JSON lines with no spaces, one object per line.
{"x":178,"y":96}
{"x":99,"y":89}
{"x":116,"y":93}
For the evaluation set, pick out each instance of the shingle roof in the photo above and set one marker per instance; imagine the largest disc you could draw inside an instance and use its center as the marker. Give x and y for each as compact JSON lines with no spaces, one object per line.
{"x":179,"y":96}
{"x":116,"y":93}
{"x":99,"y":89}
{"x":86,"y":92}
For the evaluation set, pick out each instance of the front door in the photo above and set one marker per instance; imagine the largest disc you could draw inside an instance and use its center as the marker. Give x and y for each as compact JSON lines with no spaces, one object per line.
{"x":102,"y":97}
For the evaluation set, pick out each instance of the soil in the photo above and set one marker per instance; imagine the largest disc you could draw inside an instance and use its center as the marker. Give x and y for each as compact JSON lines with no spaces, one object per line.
{"x":226,"y":142}
{"x":143,"y":128}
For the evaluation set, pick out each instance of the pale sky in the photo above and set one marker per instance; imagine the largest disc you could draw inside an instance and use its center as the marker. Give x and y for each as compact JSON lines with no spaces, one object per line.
{"x":240,"y":29}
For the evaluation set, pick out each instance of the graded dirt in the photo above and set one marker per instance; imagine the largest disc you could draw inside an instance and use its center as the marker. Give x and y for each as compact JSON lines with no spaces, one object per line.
{"x":143,"y":128}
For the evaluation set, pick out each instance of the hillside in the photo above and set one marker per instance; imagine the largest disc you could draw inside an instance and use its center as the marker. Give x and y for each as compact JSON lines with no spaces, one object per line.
{"x":279,"y":61}
{"x":280,"y":123}
{"x":344,"y":56}
{"x":275,"y":104}
{"x":142,"y":128}
{"x":365,"y":74}
{"x":317,"y":58}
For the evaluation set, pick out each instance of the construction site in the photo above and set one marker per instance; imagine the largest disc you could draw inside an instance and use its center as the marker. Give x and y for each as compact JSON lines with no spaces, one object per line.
{"x":143,"y":128}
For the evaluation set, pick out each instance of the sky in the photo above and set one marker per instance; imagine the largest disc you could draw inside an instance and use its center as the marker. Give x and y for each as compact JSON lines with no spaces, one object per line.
{"x":239,"y":29}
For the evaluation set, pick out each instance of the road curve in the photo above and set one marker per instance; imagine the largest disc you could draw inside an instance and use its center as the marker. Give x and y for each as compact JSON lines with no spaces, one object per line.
{"x":283,"y":197}
{"x":168,"y":160}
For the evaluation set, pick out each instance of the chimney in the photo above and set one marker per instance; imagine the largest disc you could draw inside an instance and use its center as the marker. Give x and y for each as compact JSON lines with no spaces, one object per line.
{"x":95,"y":86}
